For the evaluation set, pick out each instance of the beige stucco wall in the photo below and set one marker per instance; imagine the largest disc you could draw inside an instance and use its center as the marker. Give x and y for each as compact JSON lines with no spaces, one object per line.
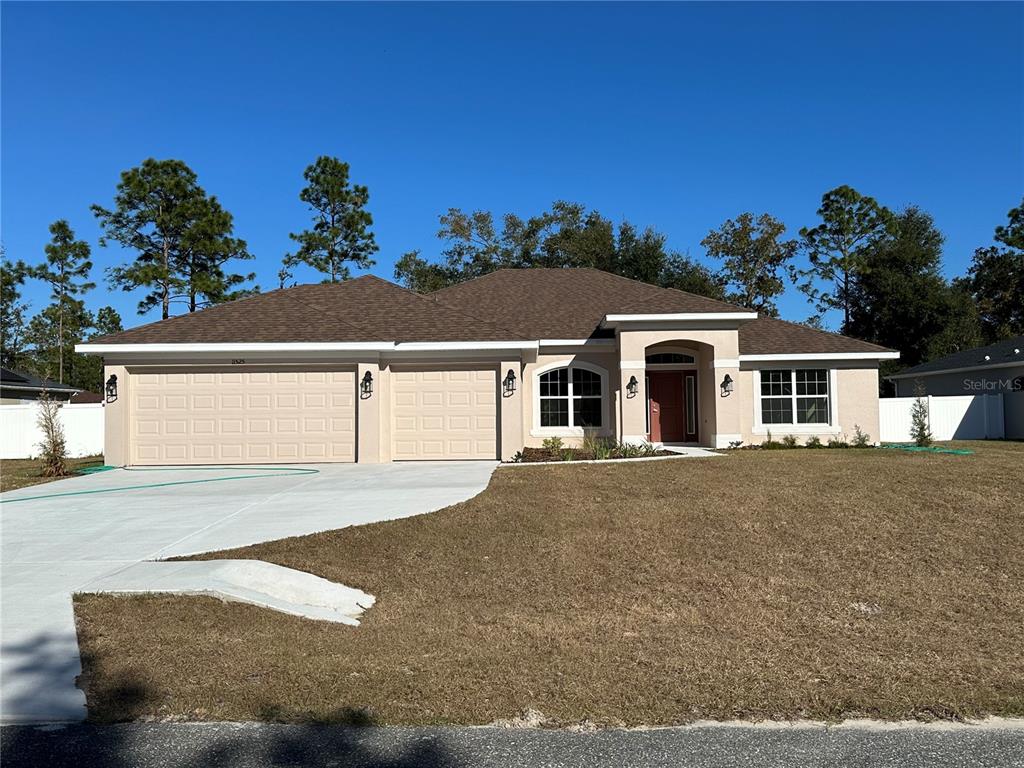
{"x":115,"y":418}
{"x":854,"y":403}
{"x":604,"y":358}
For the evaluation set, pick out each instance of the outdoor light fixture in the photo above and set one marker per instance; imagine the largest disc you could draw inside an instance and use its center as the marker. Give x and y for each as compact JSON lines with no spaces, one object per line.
{"x":367,"y":384}
{"x":510,"y":383}
{"x":111,"y":388}
{"x":632,"y":387}
{"x":727,"y":385}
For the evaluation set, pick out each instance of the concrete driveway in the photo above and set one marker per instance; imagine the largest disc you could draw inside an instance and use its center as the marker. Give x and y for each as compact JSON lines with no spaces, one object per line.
{"x":59,"y":537}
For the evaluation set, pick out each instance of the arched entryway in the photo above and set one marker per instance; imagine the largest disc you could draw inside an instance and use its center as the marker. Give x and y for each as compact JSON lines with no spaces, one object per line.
{"x":671,"y":386}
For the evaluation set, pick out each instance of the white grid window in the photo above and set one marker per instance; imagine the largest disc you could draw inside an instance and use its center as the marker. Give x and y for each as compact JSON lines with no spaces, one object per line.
{"x":570,"y":397}
{"x":795,"y":396}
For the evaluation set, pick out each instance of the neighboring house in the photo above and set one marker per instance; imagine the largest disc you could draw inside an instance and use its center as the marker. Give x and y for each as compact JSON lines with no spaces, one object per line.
{"x":18,"y":387}
{"x":367,"y":371}
{"x":997,"y":368}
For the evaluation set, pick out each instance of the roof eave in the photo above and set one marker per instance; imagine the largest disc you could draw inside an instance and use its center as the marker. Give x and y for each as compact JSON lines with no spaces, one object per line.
{"x":616,"y":320}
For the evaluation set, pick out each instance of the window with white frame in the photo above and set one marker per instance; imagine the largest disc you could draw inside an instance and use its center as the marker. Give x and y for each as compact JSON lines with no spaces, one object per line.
{"x":795,"y":396}
{"x":570,"y":397}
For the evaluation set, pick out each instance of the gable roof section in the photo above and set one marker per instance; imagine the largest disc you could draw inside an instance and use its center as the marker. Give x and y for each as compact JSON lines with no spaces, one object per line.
{"x":568,"y":303}
{"x":365,"y":309}
{"x":1002,"y":353}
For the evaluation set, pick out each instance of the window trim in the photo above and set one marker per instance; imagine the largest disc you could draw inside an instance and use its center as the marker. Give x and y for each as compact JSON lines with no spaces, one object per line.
{"x":570,"y":431}
{"x":830,"y":428}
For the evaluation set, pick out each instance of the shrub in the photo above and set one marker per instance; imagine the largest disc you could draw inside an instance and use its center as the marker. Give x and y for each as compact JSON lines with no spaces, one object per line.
{"x":552,"y":444}
{"x":598,"y":447}
{"x":860,"y":438}
{"x":567,"y":454}
{"x":734,"y":444}
{"x":789,"y":441}
{"x":517,"y":457}
{"x":837,"y":442}
{"x":53,"y":448}
{"x":813,"y":442}
{"x":769,"y":444}
{"x":920,"y":429}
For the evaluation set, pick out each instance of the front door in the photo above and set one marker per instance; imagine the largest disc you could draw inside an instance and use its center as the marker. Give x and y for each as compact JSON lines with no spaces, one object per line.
{"x":668,"y":412}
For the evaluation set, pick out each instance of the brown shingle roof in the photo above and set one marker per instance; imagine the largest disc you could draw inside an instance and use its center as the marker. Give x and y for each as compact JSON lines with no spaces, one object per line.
{"x":364,"y":309}
{"x":536,"y":303}
{"x":567,"y":303}
{"x":770,"y":336}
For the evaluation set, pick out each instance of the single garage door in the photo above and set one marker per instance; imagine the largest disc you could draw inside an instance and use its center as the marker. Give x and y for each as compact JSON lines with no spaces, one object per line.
{"x":229,"y":416}
{"x":449,"y":414}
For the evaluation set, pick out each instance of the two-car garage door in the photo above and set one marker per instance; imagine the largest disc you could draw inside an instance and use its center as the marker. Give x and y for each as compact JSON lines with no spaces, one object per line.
{"x":233,"y":416}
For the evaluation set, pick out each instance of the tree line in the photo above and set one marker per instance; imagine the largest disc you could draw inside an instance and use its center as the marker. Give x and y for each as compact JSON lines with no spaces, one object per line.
{"x":879,"y":269}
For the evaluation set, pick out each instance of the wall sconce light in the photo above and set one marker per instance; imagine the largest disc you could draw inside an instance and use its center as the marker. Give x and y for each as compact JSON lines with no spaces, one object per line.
{"x":111,"y":388}
{"x":366,"y":385}
{"x":509,"y":383}
{"x":632,"y":387}
{"x":727,"y":385}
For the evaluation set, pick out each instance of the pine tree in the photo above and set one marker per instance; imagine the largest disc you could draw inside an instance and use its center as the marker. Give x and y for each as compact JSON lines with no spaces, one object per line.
{"x":920,"y":428}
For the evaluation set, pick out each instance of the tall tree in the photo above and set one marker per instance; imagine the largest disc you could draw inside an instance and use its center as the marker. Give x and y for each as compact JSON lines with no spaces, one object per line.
{"x":851,"y":223}
{"x":901,"y":300}
{"x":183,"y":238}
{"x":996,"y":280}
{"x":12,"y":310}
{"x":753,"y":259}
{"x":52,"y":335}
{"x":66,"y":271}
{"x":154,"y":208}
{"x":567,"y":235}
{"x":341,"y":233}
{"x":207,"y":247}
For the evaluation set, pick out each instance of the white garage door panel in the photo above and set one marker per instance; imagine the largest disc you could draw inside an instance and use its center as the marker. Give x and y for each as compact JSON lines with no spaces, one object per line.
{"x":444,"y":415}
{"x":221,"y":417}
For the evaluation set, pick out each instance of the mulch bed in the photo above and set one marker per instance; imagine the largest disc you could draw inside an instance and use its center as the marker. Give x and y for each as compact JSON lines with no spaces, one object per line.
{"x":534,"y":455}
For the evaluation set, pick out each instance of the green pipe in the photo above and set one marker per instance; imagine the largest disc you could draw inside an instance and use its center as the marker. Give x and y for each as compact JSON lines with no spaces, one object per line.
{"x":268,"y":472}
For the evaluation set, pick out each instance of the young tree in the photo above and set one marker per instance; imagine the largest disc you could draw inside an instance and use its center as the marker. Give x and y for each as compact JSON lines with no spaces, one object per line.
{"x":66,"y":271}
{"x":851,"y":223}
{"x":182,"y":237}
{"x":341,"y":224}
{"x":900,"y":298}
{"x":920,"y":423}
{"x":53,"y":448}
{"x":753,"y":259}
{"x":12,"y":311}
{"x":996,"y":280}
{"x":52,"y":336}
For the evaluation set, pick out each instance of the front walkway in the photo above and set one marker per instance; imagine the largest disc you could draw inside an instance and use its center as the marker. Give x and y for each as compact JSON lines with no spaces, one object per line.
{"x":59,"y":537}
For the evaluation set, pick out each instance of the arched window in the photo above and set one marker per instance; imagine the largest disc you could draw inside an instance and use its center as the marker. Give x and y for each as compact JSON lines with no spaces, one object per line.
{"x":669,"y":358}
{"x":571,"y":397}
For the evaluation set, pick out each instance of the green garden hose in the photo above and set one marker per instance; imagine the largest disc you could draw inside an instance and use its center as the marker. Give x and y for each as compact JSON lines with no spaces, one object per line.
{"x":268,"y":472}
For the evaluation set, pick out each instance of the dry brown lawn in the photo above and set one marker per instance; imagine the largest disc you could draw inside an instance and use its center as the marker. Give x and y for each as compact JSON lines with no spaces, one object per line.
{"x":762,"y":585}
{"x":21,"y":473}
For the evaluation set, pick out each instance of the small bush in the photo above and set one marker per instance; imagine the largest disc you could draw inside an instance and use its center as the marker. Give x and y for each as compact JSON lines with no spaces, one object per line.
{"x":860,"y":438}
{"x":813,"y":442}
{"x":920,"y":429}
{"x":517,"y":457}
{"x":567,"y":454}
{"x":53,"y":448}
{"x":770,"y":444}
{"x":734,"y":444}
{"x":837,"y":442}
{"x":598,"y":447}
{"x":552,"y":444}
{"x":789,"y":441}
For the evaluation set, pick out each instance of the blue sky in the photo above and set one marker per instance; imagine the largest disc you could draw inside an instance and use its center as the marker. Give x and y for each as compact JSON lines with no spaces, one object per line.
{"x":677,"y":116}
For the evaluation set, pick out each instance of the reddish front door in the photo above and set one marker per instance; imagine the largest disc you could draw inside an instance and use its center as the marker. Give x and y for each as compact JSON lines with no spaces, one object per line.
{"x":667,"y":404}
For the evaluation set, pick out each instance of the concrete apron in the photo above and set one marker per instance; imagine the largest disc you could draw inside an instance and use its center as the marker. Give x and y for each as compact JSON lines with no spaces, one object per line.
{"x":245,"y":581}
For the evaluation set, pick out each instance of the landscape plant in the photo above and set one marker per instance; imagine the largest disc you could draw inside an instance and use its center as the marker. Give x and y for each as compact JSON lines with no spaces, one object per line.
{"x":920,"y":429}
{"x":860,"y":438}
{"x":53,"y":448}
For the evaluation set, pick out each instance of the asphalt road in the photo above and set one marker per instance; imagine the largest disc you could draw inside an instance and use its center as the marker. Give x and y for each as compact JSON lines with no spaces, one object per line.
{"x":229,"y":745}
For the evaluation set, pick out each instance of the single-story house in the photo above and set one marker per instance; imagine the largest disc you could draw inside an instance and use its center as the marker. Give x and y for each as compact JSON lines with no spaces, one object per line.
{"x":997,"y":368}
{"x":367,"y":371}
{"x":19,"y":387}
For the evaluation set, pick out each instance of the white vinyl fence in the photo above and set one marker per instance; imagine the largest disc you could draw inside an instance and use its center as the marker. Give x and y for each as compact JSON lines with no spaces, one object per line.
{"x":20,"y":434}
{"x":959,"y":417}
